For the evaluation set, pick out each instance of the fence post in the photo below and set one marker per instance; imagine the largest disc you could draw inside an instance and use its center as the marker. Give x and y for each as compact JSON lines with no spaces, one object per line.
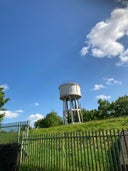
{"x":124,"y":151}
{"x":18,"y":133}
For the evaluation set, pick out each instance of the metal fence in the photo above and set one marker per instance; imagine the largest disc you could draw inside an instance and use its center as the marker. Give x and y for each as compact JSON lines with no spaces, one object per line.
{"x":104,"y":150}
{"x":12,"y":132}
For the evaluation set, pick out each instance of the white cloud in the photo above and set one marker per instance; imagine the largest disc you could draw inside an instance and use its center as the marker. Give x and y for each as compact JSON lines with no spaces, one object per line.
{"x":103,"y":97}
{"x":98,"y":86}
{"x":19,"y":111}
{"x":5,"y":86}
{"x":36,"y":104}
{"x":34,"y":117}
{"x":84,"y":51}
{"x":112,"y":81}
{"x":124,"y":2}
{"x":10,"y":114}
{"x":103,"y":39}
{"x":123,"y":58}
{"x":108,"y":82}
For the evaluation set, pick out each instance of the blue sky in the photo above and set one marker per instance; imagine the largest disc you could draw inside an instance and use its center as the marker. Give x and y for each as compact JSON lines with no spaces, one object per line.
{"x":45,"y":43}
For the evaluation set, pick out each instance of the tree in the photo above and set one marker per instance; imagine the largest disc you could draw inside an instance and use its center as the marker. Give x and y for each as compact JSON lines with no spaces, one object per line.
{"x":93,"y":114}
{"x":3,"y":100}
{"x":89,"y":115}
{"x":51,"y":119}
{"x":86,"y":115}
{"x":103,"y":109}
{"x":38,"y":123}
{"x":120,"y":106}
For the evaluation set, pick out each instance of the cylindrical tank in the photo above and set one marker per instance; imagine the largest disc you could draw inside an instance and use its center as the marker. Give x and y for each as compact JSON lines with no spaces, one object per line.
{"x":70,"y":90}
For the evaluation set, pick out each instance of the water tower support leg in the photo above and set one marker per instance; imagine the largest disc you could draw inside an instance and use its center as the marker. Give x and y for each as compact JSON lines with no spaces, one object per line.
{"x":77,"y":109}
{"x":81,"y":116}
{"x":65,"y":112}
{"x":71,"y":107}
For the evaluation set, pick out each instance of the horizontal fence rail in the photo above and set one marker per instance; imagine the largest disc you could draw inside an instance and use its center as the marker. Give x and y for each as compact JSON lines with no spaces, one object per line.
{"x":104,"y":150}
{"x":12,"y":132}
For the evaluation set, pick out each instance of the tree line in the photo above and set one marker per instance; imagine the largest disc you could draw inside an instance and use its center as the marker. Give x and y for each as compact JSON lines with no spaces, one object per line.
{"x":117,"y":108}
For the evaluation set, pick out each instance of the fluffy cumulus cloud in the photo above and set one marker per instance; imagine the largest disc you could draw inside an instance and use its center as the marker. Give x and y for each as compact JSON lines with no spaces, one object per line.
{"x":104,"y":38}
{"x":12,"y":114}
{"x":98,"y":86}
{"x":107,"y":82}
{"x":103,"y":97}
{"x":34,"y":117}
{"x":5,"y":86}
{"x":112,"y":81}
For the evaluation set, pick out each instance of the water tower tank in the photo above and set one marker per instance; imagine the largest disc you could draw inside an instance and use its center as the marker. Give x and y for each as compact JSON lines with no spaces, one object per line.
{"x":70,"y":94}
{"x":71,"y":90}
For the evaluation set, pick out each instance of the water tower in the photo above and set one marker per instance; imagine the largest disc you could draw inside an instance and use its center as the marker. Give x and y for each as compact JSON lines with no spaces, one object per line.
{"x":70,"y":94}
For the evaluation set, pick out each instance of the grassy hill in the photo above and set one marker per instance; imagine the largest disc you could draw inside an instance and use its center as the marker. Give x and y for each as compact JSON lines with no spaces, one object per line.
{"x":113,"y":123}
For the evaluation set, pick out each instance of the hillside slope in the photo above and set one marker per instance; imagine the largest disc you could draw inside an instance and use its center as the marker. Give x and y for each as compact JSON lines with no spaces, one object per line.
{"x":113,"y":123}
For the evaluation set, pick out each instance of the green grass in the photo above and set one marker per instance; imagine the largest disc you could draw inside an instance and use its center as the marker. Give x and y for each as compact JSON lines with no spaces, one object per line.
{"x":81,"y":146}
{"x":93,"y":150}
{"x":113,"y":123}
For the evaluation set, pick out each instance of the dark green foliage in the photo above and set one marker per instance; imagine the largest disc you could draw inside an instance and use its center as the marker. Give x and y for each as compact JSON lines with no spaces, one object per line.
{"x":89,"y":115}
{"x":3,"y":100}
{"x":94,"y":114}
{"x":103,"y":109}
{"x":52,"y":119}
{"x":118,"y":108}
